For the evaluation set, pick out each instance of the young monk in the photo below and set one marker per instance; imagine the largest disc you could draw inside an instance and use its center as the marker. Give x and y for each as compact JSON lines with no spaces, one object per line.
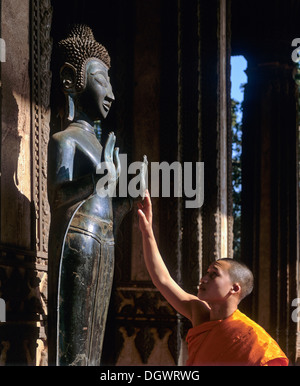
{"x":221,"y":334}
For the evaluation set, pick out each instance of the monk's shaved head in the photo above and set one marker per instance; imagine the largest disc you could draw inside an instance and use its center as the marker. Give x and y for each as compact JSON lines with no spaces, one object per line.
{"x":240,"y":273}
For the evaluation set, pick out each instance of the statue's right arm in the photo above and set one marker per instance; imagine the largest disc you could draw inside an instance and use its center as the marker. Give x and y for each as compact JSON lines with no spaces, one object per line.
{"x":63,"y":188}
{"x":186,"y":304}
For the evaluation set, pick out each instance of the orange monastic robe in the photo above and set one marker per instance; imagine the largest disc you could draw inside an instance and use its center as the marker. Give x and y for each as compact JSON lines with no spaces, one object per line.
{"x":234,"y":341}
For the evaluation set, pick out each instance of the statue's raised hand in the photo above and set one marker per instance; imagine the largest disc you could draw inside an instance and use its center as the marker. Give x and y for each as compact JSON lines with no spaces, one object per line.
{"x":109,"y":170}
{"x":111,"y":158}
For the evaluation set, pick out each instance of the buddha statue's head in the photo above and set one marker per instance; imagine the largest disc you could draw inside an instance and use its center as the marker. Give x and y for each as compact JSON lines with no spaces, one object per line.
{"x":84,"y":75}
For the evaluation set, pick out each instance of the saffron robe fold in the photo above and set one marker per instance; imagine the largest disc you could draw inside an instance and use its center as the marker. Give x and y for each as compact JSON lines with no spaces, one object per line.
{"x":234,"y":341}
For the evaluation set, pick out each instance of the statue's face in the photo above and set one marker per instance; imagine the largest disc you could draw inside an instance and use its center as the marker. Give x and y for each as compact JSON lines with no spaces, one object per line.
{"x":97,"y":97}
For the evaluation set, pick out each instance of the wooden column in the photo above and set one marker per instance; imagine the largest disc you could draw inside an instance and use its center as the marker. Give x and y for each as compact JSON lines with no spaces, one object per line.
{"x":216,"y":129}
{"x":269,"y":198}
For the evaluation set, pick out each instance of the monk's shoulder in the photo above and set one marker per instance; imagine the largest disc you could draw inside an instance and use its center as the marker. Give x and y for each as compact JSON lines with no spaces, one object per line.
{"x":200,"y":312}
{"x":246,"y":326}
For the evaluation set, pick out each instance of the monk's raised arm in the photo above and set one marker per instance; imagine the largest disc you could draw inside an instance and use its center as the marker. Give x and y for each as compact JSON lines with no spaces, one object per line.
{"x":186,"y":304}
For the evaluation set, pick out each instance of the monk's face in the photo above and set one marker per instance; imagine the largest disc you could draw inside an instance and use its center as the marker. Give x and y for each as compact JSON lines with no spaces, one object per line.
{"x":97,"y":97}
{"x":215,"y":285}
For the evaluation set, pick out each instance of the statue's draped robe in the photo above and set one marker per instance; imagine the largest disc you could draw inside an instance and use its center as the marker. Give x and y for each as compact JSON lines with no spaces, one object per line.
{"x":234,"y":341}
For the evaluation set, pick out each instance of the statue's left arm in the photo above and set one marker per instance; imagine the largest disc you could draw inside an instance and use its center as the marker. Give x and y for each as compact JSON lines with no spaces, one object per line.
{"x":63,"y":188}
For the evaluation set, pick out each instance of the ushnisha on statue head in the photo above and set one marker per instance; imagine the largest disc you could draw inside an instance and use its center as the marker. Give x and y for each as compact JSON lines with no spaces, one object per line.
{"x":84,"y":75}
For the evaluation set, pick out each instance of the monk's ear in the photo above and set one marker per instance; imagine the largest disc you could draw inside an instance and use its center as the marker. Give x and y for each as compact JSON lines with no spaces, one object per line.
{"x":236,"y":288}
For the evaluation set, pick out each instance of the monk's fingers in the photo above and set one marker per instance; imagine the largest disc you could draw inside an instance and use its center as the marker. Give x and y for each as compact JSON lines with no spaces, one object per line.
{"x":147,"y":208}
{"x":143,"y":221}
{"x":143,"y":177}
{"x":147,"y":203}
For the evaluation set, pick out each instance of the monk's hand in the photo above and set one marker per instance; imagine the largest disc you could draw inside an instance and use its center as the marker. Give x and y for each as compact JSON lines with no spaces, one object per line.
{"x":145,"y":214}
{"x":138,"y":194}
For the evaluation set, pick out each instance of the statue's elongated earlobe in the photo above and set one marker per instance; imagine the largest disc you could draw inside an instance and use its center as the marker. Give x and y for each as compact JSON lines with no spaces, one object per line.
{"x":68,"y":81}
{"x":70,"y":108}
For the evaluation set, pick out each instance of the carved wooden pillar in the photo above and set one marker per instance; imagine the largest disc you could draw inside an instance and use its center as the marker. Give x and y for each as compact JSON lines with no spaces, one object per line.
{"x":269,"y":198}
{"x":41,"y":49}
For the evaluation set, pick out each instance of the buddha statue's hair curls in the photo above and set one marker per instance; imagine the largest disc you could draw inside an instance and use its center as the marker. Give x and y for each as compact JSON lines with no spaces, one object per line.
{"x":80,"y":46}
